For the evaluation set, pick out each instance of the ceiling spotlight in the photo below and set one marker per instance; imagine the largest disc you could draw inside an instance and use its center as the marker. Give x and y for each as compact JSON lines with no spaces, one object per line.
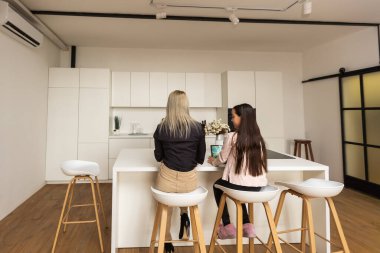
{"x":307,"y":7}
{"x":161,"y":15}
{"x":234,"y":19}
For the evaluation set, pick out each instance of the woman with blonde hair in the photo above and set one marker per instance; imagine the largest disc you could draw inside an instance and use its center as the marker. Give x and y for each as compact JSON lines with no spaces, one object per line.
{"x":179,"y":146}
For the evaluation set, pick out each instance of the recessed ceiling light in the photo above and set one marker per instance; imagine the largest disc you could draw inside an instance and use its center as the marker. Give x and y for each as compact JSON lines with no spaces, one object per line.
{"x":161,"y":15}
{"x":307,"y":7}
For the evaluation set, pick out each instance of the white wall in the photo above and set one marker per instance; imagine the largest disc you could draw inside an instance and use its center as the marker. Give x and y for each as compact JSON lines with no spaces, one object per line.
{"x":321,"y":99}
{"x":23,"y":110}
{"x":290,"y":64}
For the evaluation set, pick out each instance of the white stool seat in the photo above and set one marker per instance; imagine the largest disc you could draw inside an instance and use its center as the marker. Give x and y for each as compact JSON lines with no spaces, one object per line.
{"x":180,"y":199}
{"x":315,"y":187}
{"x":266,"y":194}
{"x":80,"y":168}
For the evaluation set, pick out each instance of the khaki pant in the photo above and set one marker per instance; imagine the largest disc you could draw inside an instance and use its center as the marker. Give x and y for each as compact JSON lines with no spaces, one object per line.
{"x":169,"y":180}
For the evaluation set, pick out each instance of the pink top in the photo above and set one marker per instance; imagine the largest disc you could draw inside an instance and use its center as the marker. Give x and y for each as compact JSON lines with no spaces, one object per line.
{"x":227,"y":155}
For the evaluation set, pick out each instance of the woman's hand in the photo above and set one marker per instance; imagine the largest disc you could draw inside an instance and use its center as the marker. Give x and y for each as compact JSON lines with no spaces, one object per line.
{"x":211,"y":160}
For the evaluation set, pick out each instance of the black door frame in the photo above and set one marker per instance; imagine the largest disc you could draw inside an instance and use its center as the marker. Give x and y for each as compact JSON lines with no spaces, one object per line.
{"x":352,"y":182}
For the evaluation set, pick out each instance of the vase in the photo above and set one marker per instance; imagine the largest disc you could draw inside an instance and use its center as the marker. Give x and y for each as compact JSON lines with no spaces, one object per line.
{"x":219,"y":138}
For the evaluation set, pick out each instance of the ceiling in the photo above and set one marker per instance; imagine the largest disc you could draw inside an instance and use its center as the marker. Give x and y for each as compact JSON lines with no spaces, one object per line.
{"x":118,"y":32}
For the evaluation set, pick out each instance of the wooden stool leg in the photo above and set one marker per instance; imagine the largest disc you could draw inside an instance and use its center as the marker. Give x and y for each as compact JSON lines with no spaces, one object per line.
{"x":310,"y":225}
{"x":101,"y":202}
{"x":272,"y":226}
{"x":311,"y":152}
{"x":198,"y":225}
{"x":239,"y":227}
{"x":251,"y":219}
{"x":306,"y":151}
{"x":295,"y":149}
{"x":70,"y":200}
{"x":338,"y":225}
{"x":61,"y":217}
{"x":194,"y":230}
{"x":217,"y":222}
{"x":96,"y":214}
{"x":155,"y":228}
{"x":303,"y":232}
{"x":277,"y":217}
{"x":299,"y":150}
{"x":161,"y":239}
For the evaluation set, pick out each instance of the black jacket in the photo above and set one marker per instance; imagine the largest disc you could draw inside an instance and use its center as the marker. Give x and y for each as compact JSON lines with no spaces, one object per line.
{"x":180,"y":154}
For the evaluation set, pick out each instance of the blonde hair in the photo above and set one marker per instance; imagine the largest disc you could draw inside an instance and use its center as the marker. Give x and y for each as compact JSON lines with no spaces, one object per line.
{"x":178,"y":121}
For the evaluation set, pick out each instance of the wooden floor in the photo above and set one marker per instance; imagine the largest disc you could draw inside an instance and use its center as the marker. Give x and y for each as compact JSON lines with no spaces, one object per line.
{"x":31,"y":227}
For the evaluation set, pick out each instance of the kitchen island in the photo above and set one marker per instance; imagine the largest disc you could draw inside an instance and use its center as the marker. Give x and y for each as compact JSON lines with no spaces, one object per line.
{"x":133,"y":206}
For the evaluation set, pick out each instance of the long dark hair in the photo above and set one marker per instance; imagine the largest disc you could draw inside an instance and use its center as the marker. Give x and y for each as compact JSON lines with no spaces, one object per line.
{"x":249,"y":142}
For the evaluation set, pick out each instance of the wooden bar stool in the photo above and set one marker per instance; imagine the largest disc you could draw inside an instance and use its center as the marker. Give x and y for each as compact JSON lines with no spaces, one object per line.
{"x":263,"y":196}
{"x":307,"y":190}
{"x":298,"y":148}
{"x":166,"y":200}
{"x":81,"y":170}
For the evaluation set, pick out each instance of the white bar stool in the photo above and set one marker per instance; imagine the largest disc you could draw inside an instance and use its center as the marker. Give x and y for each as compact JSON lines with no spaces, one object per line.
{"x":263,"y":196}
{"x":307,"y":190}
{"x":166,"y":200}
{"x":80,"y":170}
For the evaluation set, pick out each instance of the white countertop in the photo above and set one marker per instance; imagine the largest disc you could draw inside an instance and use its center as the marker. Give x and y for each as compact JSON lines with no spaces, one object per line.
{"x":142,"y":160}
{"x":142,"y":136}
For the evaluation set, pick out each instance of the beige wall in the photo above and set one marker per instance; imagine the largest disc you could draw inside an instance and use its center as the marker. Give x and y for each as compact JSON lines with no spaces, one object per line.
{"x":321,"y":98}
{"x":290,"y":64}
{"x":23,"y":110}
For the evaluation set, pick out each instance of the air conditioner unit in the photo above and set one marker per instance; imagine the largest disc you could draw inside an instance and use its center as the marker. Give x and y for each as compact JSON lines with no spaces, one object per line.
{"x":17,"y":27}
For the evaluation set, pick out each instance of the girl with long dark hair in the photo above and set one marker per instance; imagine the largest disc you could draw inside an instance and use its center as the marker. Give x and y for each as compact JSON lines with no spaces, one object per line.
{"x":245,"y":156}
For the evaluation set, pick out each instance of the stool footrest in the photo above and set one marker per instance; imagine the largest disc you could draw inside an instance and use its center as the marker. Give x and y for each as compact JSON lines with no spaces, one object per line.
{"x":331,"y":242}
{"x":291,"y":230}
{"x":292,"y":246}
{"x":78,"y":222}
{"x":175,"y":241}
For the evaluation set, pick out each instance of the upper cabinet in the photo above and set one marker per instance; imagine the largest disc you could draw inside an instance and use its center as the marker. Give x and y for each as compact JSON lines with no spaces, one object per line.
{"x":63,"y":77}
{"x":176,"y":81}
{"x":121,"y":89}
{"x":204,"y":89}
{"x":269,"y":103}
{"x":144,"y":89}
{"x":158,"y":89}
{"x":94,"y":78}
{"x":93,"y":115}
{"x":195,"y":89}
{"x":213,"y":90}
{"x":140,"y":89}
{"x":239,"y":87}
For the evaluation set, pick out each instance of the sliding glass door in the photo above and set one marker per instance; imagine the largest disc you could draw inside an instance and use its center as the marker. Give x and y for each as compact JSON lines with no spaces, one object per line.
{"x":360,"y":119}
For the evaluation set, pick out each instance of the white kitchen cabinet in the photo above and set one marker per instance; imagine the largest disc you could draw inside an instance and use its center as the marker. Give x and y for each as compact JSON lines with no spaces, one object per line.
{"x":117,"y":144}
{"x":63,"y":77}
{"x":158,"y":89}
{"x":121,"y":89}
{"x":213,"y":90}
{"x":93,"y":115}
{"x":269,"y":103}
{"x":140,"y":89}
{"x":62,"y":130}
{"x":176,"y":81}
{"x":275,"y":144}
{"x":239,"y":87}
{"x":95,"y":152}
{"x":195,"y":89}
{"x":204,"y":89}
{"x":94,"y":78}
{"x":111,"y":162}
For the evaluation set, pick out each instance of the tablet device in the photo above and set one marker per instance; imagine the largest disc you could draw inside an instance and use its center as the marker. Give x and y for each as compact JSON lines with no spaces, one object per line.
{"x":215,"y":150}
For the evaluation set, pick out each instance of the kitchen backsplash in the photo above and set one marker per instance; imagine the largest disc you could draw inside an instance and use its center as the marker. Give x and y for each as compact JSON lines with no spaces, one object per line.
{"x":148,"y":118}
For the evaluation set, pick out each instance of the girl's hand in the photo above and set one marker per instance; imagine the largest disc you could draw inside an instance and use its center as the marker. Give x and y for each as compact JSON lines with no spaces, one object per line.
{"x":211,"y":160}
